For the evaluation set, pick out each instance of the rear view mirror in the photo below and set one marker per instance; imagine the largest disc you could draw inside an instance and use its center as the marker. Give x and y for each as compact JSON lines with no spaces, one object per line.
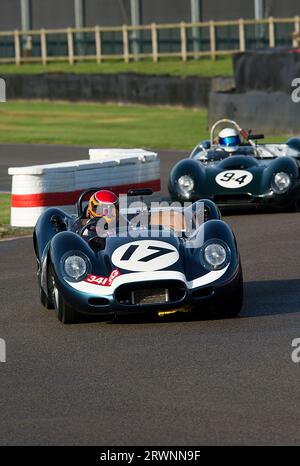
{"x":256,"y":136}
{"x":140,"y":192}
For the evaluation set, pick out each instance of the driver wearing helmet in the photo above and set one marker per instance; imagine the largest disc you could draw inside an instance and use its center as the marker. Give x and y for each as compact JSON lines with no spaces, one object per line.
{"x":229,"y":140}
{"x":103,"y":204}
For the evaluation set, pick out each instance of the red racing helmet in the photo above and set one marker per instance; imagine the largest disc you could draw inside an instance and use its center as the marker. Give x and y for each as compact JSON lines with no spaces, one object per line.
{"x":103,"y":204}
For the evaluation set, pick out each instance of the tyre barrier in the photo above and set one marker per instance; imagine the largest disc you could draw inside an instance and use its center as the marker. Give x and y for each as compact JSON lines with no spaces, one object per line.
{"x":36,"y":188}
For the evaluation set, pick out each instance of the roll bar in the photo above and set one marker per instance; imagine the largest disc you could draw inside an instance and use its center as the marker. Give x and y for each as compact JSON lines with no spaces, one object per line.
{"x":244,"y":134}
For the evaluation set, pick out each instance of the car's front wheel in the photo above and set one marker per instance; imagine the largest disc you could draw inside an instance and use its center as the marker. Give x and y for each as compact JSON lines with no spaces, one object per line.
{"x":44,"y":299}
{"x":65,"y":313}
{"x":231,"y":305}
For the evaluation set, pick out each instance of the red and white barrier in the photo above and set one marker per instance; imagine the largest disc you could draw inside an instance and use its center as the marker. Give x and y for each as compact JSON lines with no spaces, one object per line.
{"x":36,"y":188}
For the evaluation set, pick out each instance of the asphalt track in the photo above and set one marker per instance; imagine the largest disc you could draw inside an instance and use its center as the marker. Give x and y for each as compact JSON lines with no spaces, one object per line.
{"x":173,"y":382}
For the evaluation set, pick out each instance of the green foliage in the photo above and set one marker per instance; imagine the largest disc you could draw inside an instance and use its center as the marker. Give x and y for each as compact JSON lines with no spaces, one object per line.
{"x":4,"y":208}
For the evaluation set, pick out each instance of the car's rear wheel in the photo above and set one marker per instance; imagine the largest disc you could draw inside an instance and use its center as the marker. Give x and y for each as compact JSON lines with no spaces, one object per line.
{"x":65,"y":313}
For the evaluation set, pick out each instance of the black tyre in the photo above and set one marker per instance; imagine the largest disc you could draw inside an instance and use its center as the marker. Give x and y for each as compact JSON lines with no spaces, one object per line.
{"x":65,"y":313}
{"x":229,"y":307}
{"x":45,"y":301}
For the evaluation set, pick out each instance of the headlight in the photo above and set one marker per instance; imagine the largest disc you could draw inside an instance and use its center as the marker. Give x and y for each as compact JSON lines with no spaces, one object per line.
{"x":215,"y":256}
{"x":75,"y":267}
{"x":281,"y":182}
{"x":186,"y":184}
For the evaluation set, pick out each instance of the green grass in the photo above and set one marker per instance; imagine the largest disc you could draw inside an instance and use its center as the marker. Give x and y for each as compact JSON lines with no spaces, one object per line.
{"x":101,"y":125}
{"x":5,"y":229}
{"x":4,"y":208}
{"x":202,"y":67}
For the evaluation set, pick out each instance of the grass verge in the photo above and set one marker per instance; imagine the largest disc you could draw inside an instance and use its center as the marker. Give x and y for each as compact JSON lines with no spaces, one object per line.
{"x":202,"y":67}
{"x":6,"y":230}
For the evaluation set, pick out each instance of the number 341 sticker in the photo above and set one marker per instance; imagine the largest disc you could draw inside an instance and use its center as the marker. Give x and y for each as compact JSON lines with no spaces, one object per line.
{"x":234,"y":178}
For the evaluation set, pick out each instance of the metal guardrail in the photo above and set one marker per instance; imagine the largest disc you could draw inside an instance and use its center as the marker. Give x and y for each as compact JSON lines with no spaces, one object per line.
{"x":154,"y":41}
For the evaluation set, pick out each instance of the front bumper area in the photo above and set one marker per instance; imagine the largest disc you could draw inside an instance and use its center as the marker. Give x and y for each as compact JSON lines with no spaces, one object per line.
{"x":178,"y":293}
{"x":268,"y":200}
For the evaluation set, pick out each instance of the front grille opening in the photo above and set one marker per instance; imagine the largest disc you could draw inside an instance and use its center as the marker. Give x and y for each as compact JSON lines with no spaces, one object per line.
{"x":203,"y":292}
{"x":232,"y":198}
{"x":99,"y":302}
{"x":169,"y":291}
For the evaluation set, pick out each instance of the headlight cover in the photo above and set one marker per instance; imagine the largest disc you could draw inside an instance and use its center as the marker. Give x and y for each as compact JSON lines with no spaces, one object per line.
{"x":215,"y":255}
{"x":281,"y":183}
{"x":186,"y":184}
{"x":75,"y":266}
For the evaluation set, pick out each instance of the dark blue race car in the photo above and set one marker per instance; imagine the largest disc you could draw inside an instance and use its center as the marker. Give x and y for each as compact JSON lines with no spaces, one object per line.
{"x":252,"y":175}
{"x":159,"y":268}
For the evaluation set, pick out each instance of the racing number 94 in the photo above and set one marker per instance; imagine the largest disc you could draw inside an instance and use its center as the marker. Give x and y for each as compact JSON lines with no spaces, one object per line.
{"x":228,"y":176}
{"x":234,"y":178}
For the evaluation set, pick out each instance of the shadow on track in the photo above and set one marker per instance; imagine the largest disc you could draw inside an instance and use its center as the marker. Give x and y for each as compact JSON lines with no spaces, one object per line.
{"x":261,"y":298}
{"x":271,"y":297}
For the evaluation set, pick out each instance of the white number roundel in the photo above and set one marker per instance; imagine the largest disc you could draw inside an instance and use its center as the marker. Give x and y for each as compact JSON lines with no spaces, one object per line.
{"x":145,"y":256}
{"x":233,"y":179}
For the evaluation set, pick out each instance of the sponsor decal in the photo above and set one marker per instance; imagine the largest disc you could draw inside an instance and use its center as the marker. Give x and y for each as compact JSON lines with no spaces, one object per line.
{"x":234,"y":179}
{"x":103,"y":281}
{"x":145,"y":256}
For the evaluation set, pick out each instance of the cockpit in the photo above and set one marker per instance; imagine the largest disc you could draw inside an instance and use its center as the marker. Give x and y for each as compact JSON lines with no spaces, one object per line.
{"x":216,"y":154}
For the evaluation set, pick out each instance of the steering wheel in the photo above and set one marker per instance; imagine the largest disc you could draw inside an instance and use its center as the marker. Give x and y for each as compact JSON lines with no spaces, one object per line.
{"x":233,"y":123}
{"x":90,"y":222}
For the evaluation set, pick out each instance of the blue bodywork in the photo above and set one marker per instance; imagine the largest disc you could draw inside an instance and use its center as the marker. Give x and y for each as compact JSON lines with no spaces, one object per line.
{"x":186,"y":280}
{"x":205,"y":164}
